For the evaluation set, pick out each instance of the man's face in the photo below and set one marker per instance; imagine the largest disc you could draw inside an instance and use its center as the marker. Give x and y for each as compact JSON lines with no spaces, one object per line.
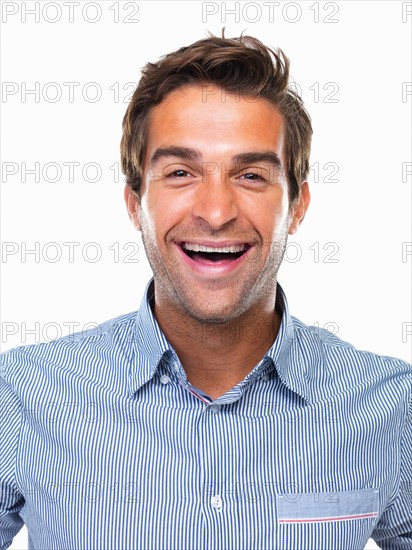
{"x":214,"y":211}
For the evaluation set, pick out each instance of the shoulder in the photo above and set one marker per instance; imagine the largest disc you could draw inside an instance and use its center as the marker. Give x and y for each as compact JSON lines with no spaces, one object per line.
{"x":112,"y":334}
{"x":340,"y":364}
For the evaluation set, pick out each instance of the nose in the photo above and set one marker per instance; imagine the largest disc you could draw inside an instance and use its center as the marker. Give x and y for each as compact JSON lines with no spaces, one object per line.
{"x":215,"y":200}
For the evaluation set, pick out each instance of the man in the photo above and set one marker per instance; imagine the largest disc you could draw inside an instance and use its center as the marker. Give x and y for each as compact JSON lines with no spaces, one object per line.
{"x":210,"y":418}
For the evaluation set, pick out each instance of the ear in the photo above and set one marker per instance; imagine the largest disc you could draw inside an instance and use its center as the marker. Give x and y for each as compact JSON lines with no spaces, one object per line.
{"x":299,"y":209}
{"x":133,"y":206}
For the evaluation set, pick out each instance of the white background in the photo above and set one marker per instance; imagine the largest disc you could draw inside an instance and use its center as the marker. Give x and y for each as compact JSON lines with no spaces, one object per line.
{"x":360,"y":61}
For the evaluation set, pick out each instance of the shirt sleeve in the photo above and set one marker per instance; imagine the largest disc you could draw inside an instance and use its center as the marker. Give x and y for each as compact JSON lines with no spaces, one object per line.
{"x":11,"y":500}
{"x":394,"y":529}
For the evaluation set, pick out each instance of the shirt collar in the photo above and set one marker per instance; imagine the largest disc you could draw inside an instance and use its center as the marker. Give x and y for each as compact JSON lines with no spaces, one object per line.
{"x":285,"y":351}
{"x":152,"y":347}
{"x":150,"y":343}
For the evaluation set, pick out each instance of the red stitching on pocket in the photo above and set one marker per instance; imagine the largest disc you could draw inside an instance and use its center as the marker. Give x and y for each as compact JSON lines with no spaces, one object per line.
{"x":337,"y":518}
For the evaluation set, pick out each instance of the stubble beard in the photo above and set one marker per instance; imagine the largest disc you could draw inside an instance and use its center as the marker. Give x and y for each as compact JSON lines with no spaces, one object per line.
{"x":257,"y":290}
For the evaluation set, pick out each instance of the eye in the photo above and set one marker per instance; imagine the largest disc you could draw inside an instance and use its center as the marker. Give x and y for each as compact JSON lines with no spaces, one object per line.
{"x":179,"y":174}
{"x":251,"y":176}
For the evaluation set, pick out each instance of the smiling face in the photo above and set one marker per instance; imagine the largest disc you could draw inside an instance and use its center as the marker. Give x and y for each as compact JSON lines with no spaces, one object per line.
{"x":214,"y":211}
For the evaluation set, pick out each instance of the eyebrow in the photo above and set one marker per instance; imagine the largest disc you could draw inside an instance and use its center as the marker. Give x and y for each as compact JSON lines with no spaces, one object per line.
{"x":188,"y":153}
{"x":255,"y":157}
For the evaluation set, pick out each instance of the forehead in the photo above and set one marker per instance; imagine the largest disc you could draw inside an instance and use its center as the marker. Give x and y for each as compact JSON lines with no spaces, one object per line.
{"x":209,"y":118}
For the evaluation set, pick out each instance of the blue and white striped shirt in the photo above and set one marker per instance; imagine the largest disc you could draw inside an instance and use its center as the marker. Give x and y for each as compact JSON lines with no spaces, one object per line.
{"x":105,"y":445}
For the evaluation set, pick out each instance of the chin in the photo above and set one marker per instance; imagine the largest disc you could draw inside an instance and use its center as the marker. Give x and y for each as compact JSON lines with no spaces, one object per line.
{"x":213,"y":316}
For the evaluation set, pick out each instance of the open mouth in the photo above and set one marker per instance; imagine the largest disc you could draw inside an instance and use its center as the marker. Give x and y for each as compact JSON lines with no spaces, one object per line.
{"x":205,"y":254}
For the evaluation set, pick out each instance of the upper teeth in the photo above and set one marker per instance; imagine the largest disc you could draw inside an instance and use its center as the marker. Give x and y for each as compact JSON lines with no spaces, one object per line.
{"x":204,"y":248}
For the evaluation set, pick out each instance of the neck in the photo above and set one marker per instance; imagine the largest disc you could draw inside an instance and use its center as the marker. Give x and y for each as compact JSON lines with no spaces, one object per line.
{"x":217,"y":356}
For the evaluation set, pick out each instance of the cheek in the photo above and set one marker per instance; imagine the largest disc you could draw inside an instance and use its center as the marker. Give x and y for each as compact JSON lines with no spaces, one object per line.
{"x":162,"y":212}
{"x":270,"y":212}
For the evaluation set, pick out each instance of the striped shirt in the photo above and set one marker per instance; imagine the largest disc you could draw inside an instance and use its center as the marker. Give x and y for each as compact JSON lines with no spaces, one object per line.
{"x":106,"y":445}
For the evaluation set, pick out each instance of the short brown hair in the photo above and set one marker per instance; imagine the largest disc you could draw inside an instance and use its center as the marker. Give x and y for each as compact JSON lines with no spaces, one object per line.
{"x":233,"y":64}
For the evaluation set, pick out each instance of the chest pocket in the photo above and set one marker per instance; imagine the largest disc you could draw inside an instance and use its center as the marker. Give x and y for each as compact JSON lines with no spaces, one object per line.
{"x":326,"y":521}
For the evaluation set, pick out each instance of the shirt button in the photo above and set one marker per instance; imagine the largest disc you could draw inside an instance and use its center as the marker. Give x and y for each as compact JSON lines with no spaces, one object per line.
{"x":215,"y":408}
{"x":164,"y":379}
{"x":217,"y":502}
{"x":265,"y":377}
